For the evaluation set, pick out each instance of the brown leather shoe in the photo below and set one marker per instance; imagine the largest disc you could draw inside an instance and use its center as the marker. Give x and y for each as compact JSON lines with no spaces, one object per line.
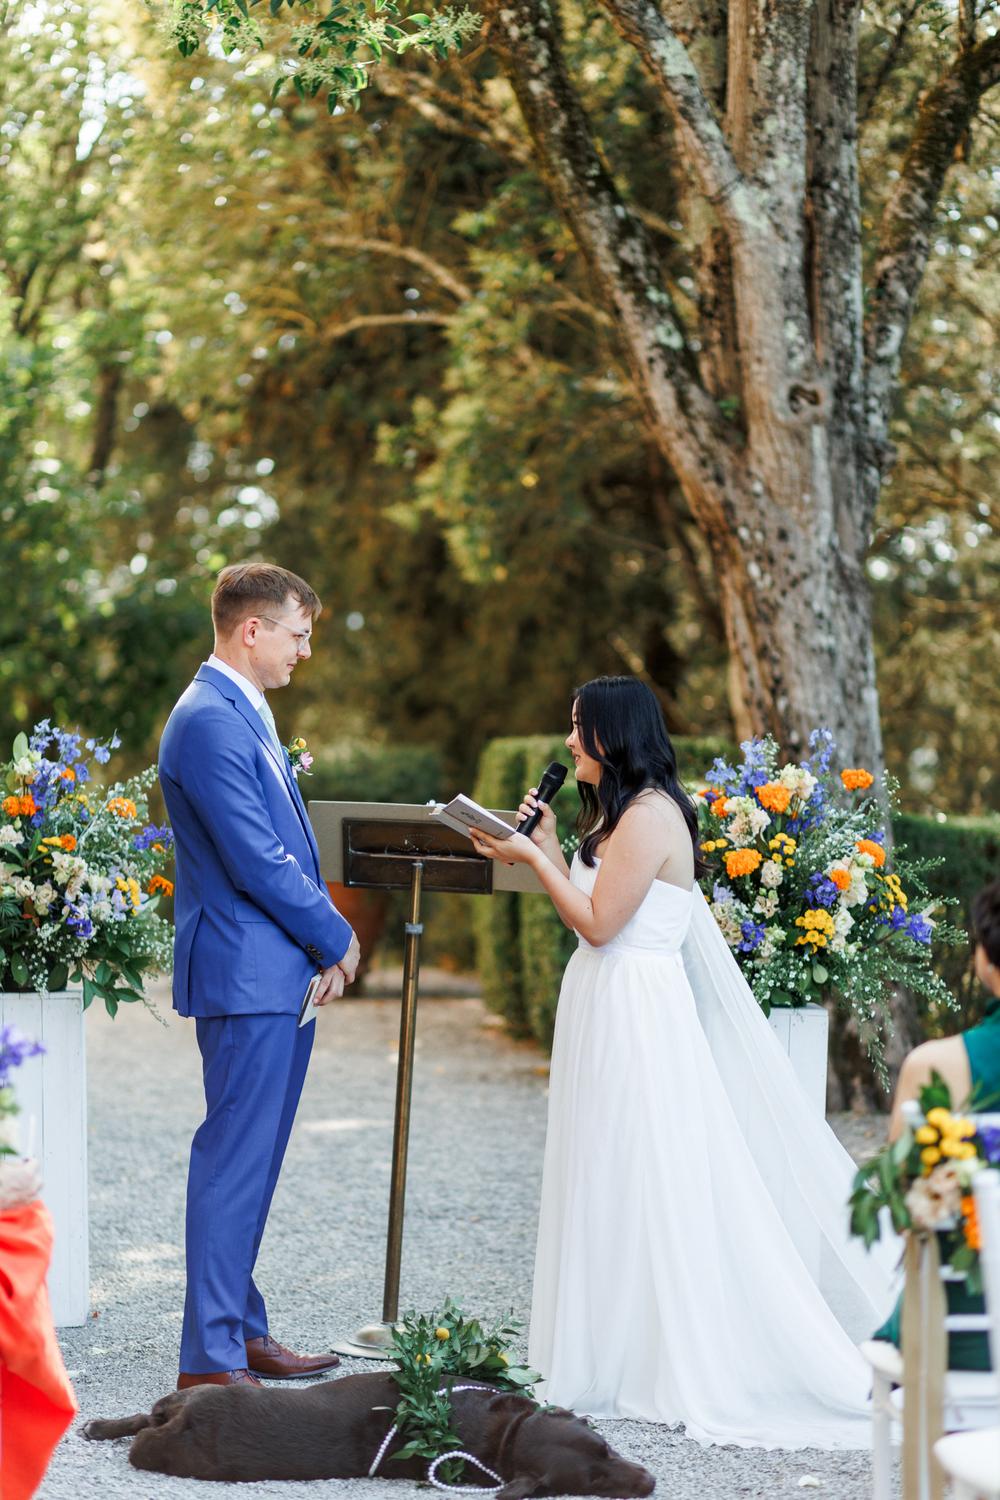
{"x":217,"y":1377}
{"x":267,"y":1357}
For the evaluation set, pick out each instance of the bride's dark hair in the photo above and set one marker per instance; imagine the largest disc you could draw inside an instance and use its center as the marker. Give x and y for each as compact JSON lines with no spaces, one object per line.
{"x":621,"y":727}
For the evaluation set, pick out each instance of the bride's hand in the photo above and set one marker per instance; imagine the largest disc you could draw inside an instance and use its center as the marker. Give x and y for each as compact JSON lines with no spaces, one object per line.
{"x":546,"y":829}
{"x":517,"y":850}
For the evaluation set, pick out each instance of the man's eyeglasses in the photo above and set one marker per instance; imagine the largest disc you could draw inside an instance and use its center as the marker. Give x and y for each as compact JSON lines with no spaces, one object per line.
{"x":300,"y":637}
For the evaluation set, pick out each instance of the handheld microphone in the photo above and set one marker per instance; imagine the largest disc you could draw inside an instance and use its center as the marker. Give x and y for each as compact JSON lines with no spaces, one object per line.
{"x":552,"y":779}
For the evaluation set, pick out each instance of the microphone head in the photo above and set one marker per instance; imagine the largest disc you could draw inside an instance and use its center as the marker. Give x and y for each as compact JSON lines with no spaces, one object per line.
{"x":552,"y":777}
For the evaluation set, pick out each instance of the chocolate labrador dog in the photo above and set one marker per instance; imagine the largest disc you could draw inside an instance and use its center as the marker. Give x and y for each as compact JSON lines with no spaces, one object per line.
{"x":337,"y":1430}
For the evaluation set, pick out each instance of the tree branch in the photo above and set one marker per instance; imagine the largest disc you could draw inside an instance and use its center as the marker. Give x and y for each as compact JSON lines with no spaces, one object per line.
{"x":669,"y":65}
{"x":615,"y":243}
{"x":418,"y":258}
{"x":945,"y":116}
{"x":332,"y":331}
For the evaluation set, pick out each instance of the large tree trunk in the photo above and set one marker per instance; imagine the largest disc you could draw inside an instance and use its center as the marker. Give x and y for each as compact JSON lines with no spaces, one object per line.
{"x":774,"y":412}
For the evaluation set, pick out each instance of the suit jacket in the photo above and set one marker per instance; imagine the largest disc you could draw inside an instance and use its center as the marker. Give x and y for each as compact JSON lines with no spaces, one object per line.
{"x":253,"y":918}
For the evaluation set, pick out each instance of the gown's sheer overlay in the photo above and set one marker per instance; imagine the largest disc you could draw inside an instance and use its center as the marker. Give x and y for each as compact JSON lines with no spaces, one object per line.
{"x":693,"y":1262}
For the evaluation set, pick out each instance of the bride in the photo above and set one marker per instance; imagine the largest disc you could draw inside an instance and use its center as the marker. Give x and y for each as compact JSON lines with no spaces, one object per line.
{"x":693,"y":1262}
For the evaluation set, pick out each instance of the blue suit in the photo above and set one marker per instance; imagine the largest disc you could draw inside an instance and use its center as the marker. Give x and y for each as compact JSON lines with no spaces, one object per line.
{"x":254,"y":922}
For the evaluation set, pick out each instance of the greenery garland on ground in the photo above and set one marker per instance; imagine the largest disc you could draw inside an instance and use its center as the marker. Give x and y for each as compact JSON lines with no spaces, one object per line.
{"x":432,"y":1351}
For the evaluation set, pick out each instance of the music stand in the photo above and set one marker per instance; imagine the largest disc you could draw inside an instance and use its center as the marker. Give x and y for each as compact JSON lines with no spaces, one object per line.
{"x":390,"y":846}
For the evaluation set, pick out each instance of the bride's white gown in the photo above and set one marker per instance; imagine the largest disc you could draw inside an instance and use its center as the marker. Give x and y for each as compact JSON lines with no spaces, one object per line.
{"x":693,"y":1261}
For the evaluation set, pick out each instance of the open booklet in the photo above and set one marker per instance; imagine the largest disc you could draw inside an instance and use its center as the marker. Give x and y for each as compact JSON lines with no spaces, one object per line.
{"x":461,"y":814}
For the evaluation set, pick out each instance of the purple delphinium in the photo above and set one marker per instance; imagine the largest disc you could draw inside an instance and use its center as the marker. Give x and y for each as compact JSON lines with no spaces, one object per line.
{"x":821,"y":890}
{"x":822,"y":745}
{"x":14,"y":1048}
{"x":153,"y":835}
{"x":754,"y":770}
{"x":989,"y":1135}
{"x":919,"y":929}
{"x":721,"y":893}
{"x":898,"y":918}
{"x":753,"y":936}
{"x":721,"y":773}
{"x":78,"y":920}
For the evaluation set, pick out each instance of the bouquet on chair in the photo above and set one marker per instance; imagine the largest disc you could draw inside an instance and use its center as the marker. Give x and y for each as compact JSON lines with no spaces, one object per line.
{"x":925,"y":1180}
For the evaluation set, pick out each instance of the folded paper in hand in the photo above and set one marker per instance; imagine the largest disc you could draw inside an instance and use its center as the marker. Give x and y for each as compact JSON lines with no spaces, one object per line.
{"x":461,"y":814}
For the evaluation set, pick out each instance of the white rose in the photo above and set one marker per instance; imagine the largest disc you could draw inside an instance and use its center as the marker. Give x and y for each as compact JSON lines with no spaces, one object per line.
{"x":760,"y":819}
{"x":44,"y":897}
{"x":842,"y":921}
{"x":771,"y":874}
{"x":23,"y":888}
{"x":857,"y":893}
{"x":799,"y":781}
{"x":766,"y":903}
{"x":10,"y":837}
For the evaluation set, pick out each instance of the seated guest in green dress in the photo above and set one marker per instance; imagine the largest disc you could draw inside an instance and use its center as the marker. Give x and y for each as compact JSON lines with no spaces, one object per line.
{"x":970,"y":1065}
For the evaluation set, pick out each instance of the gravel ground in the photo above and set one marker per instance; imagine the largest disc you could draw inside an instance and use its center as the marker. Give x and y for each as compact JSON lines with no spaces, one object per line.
{"x":475,"y":1159}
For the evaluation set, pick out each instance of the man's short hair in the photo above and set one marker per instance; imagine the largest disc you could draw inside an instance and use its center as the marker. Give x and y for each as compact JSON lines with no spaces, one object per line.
{"x":246,"y":589}
{"x":986,"y":921}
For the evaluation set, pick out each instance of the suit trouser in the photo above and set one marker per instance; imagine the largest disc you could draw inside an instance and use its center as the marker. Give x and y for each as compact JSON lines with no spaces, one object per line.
{"x":254,"y":1067}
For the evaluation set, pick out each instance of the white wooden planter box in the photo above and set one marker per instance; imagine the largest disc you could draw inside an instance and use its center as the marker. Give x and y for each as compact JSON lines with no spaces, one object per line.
{"x":51,"y":1091}
{"x":804,"y":1034}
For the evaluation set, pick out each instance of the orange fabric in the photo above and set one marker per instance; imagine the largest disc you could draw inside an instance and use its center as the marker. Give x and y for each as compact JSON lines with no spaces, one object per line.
{"x":37,"y":1402}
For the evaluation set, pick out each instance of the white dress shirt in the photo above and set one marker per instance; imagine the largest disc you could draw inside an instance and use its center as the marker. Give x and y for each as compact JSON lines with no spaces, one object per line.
{"x":250,"y":689}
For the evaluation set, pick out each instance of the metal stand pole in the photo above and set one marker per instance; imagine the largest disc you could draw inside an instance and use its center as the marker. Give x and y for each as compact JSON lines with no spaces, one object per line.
{"x":374,"y":1340}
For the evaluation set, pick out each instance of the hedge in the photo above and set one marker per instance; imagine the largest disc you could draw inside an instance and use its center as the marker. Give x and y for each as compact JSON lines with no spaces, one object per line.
{"x":970,"y":850}
{"x":522,"y":947}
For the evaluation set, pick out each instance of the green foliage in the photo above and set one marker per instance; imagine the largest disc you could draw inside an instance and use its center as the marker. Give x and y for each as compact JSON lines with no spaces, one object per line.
{"x":369,"y":772}
{"x":960,"y":855}
{"x":330,"y":56}
{"x":434,"y":1350}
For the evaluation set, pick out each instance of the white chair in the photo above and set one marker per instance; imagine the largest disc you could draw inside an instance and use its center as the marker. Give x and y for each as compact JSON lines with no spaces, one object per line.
{"x":971,"y":1397}
{"x":971,"y":1460}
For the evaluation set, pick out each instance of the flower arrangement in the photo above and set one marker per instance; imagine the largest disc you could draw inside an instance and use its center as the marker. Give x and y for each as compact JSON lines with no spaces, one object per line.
{"x":299,"y":757}
{"x":925,"y":1179}
{"x":433,"y":1350}
{"x":805,"y":891}
{"x":79,"y":872}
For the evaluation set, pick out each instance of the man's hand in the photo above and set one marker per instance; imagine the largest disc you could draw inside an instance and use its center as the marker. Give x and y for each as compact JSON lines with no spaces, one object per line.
{"x":331,"y":985}
{"x":348,"y":965}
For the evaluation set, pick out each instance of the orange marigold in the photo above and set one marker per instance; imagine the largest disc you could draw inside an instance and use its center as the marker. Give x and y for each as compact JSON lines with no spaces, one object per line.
{"x":159,"y":883}
{"x":970,"y":1223}
{"x":857,"y":780}
{"x":68,"y":842}
{"x":741,"y":862}
{"x":869,"y":846}
{"x":720,"y":807}
{"x":122,"y":807}
{"x":774,"y":796}
{"x":28,"y":806}
{"x":12,"y":806}
{"x":841,"y":879}
{"x":67,"y":774}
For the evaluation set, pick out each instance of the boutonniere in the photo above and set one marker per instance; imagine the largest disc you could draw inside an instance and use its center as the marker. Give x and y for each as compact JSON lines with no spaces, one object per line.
{"x":298,"y":755}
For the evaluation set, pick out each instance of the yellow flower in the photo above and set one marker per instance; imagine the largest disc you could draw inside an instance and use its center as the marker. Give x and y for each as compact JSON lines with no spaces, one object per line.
{"x":930,"y":1156}
{"x":442,"y":1334}
{"x":939,"y":1117}
{"x":926,"y":1136}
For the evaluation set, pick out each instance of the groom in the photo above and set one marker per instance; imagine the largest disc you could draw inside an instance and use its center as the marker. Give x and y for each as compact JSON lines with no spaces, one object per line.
{"x":254,"y":923}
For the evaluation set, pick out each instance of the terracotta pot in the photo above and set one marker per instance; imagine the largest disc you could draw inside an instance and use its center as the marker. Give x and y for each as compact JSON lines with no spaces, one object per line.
{"x":366,"y":911}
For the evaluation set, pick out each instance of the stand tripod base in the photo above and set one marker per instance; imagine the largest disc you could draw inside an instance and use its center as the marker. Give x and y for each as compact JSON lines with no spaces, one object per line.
{"x":373,"y":1341}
